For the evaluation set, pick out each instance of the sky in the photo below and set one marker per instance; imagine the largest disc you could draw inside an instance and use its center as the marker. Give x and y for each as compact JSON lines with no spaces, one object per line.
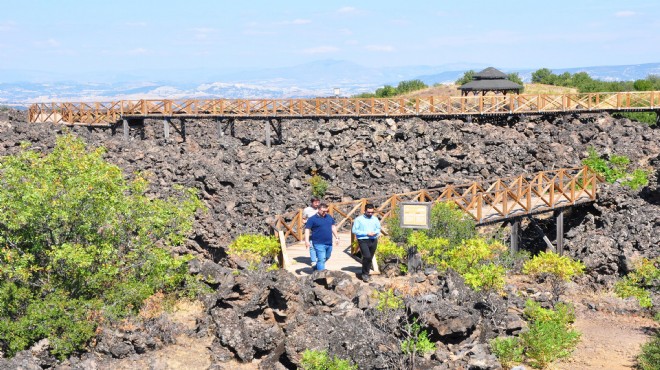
{"x":66,"y":36}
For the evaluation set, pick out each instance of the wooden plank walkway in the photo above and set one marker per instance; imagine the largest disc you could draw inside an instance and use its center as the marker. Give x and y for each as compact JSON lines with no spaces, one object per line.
{"x":109,"y":113}
{"x":341,"y":259}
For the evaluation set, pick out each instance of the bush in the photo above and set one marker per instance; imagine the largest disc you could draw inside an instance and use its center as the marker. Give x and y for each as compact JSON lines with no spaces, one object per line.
{"x":467,"y":77}
{"x":508,"y":350}
{"x":388,"y":301}
{"x":649,"y":359}
{"x":255,"y":249}
{"x":432,"y":250}
{"x":417,"y":341}
{"x":80,"y":244}
{"x":447,"y":221}
{"x":319,"y":360}
{"x":318,"y":184}
{"x":474,"y":260}
{"x":640,"y":282}
{"x":558,"y":269}
{"x":388,"y":250}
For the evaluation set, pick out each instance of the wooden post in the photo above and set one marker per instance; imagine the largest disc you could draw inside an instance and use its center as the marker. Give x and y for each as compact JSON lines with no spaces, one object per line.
{"x":218,"y":128}
{"x":268,"y":133}
{"x":126,"y":129}
{"x":183,"y":129}
{"x":166,"y":128}
{"x":284,"y":257}
{"x":560,"y":232}
{"x":515,"y":237}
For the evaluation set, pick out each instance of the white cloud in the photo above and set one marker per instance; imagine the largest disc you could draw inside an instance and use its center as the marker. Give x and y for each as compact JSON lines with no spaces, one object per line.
{"x":135,"y":24}
{"x":298,"y":21}
{"x":384,"y":48}
{"x":625,"y":13}
{"x":345,"y":31}
{"x":7,"y":25}
{"x":400,"y":22}
{"x":321,"y":50}
{"x":203,"y":33}
{"x":138,"y":51}
{"x":351,"y":42}
{"x":50,"y":43}
{"x":347,"y":10}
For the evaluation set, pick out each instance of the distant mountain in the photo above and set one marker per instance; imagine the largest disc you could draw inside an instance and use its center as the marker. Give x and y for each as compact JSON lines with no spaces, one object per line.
{"x":319,"y":78}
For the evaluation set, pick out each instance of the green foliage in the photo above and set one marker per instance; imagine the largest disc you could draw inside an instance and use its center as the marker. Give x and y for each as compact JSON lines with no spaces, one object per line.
{"x":515,"y":77}
{"x":508,"y":350}
{"x":389,"y":91}
{"x":417,"y":341}
{"x":467,"y":77}
{"x":388,"y":250}
{"x":585,"y":83}
{"x":388,"y":301}
{"x":79,"y":243}
{"x":432,"y":250}
{"x":319,"y":185}
{"x":558,"y":269}
{"x":550,"y":336}
{"x":616,"y":168}
{"x":319,"y":360}
{"x":649,"y":118}
{"x":640,"y":282}
{"x":649,"y":358}
{"x":562,"y":267}
{"x":447,"y":221}
{"x":255,"y":249}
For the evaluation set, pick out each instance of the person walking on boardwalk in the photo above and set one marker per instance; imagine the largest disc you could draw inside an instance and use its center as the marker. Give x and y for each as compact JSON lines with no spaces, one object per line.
{"x":308,"y":212}
{"x":367,"y":230}
{"x":323,"y":232}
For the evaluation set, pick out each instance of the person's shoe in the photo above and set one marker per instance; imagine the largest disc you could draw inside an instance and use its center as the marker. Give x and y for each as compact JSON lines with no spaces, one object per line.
{"x":313,"y":266}
{"x":366,"y":278}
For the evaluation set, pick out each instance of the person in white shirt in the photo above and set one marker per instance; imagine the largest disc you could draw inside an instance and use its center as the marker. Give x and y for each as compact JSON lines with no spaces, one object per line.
{"x":367,"y":230}
{"x":308,"y":212}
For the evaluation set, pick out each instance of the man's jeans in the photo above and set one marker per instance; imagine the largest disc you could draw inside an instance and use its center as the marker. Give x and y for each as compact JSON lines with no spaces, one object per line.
{"x":323,"y":252}
{"x":312,"y":253}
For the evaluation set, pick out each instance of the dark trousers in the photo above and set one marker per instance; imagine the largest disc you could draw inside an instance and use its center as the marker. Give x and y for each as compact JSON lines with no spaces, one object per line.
{"x":368,"y":249}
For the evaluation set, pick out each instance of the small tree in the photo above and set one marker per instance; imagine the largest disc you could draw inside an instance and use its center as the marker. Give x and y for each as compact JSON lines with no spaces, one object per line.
{"x":319,"y":184}
{"x":467,"y":77}
{"x":558,"y":269}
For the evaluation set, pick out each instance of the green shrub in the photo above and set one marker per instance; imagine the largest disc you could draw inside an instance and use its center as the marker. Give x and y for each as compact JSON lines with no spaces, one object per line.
{"x":649,"y":359}
{"x":617,"y":168}
{"x":388,"y":250}
{"x":80,"y":244}
{"x":318,"y":184}
{"x":417,"y":341}
{"x":319,"y":360}
{"x":650,"y":118}
{"x":508,"y":350}
{"x":388,"y":301}
{"x":550,"y":336}
{"x":447,"y":221}
{"x":558,"y":269}
{"x":255,"y":249}
{"x":639,"y":283}
{"x":430,"y":249}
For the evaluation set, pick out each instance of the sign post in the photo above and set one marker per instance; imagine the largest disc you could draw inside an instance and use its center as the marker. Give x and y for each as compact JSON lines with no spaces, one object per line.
{"x":415,"y":215}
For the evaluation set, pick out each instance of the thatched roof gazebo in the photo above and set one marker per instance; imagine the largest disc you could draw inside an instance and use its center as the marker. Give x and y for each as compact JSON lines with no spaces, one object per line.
{"x":490,"y":79}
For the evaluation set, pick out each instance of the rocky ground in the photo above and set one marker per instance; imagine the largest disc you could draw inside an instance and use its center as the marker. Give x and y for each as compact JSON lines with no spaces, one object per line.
{"x":272,"y":318}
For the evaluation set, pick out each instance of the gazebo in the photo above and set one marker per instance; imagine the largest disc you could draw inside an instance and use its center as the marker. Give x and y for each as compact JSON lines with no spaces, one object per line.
{"x":490,"y":79}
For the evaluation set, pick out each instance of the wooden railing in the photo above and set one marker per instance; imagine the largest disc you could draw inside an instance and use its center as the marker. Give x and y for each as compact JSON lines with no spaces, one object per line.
{"x":432,"y":106}
{"x":485,"y":202}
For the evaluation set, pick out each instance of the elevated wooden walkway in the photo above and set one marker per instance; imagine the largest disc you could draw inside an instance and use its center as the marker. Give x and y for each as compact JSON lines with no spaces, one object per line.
{"x":486,"y":202}
{"x":110,"y":113}
{"x":501,"y":200}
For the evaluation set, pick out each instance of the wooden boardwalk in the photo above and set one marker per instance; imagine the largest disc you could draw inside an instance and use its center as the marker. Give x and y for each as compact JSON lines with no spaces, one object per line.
{"x":342,"y":259}
{"x":485,"y":201}
{"x":110,"y":113}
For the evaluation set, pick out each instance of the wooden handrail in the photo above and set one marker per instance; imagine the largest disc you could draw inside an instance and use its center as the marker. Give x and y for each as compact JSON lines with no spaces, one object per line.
{"x":438,"y":106}
{"x":485,"y":202}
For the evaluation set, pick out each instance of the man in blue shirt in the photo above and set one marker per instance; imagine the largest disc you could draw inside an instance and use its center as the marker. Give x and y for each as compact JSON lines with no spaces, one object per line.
{"x":367,"y":230}
{"x":323,"y":231}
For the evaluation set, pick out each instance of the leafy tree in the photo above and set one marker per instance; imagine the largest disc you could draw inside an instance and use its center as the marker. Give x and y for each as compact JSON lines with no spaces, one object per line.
{"x":386,"y":91}
{"x":80,"y":244}
{"x":408,"y":86}
{"x":467,"y":77}
{"x":543,"y":76}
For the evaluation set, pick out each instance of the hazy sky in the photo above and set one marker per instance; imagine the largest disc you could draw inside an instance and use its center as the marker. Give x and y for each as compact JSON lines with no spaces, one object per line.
{"x":117,"y":35}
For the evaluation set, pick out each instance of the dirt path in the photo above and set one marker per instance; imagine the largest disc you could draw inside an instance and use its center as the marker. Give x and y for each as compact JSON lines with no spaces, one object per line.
{"x":609,"y":341}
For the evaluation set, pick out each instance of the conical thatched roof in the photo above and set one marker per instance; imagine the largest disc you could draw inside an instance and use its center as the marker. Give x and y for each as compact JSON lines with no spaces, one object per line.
{"x":490,"y":73}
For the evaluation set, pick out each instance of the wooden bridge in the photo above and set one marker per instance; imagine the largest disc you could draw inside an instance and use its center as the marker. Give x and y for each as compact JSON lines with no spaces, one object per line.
{"x":501,"y":200}
{"x":110,"y":113}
